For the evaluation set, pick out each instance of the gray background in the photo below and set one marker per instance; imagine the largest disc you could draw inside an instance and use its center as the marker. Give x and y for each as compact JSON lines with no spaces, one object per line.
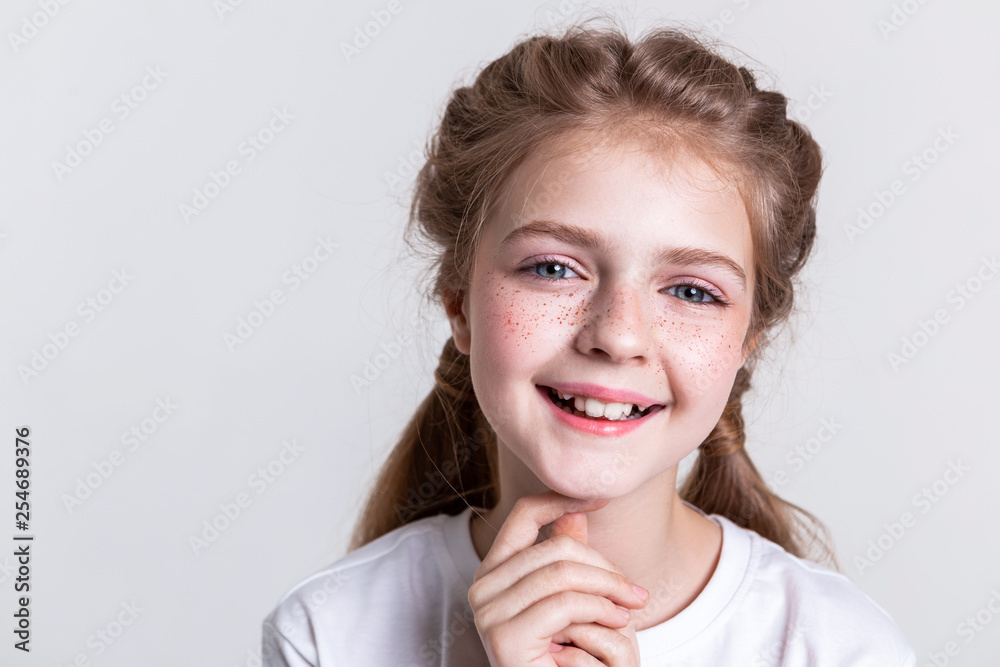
{"x":873,"y":99}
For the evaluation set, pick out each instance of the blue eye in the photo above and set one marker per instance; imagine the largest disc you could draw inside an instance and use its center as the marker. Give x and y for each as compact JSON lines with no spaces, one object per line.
{"x":555,"y":270}
{"x":694,"y":294}
{"x":559,"y":274}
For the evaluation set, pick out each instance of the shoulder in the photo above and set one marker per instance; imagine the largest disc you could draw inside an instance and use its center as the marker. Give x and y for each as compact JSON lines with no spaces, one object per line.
{"x":823,"y":609}
{"x":339,"y":602}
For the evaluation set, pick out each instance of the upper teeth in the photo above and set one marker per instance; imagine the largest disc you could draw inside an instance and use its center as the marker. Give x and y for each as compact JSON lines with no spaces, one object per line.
{"x":595,"y":408}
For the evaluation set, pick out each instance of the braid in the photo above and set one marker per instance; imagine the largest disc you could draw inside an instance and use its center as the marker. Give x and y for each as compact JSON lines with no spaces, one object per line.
{"x":453,"y":376}
{"x":448,"y":461}
{"x":728,"y":437}
{"x":725,"y":481}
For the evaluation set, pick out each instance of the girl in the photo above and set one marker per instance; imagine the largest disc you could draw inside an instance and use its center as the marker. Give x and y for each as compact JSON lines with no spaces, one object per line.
{"x":617,"y":227}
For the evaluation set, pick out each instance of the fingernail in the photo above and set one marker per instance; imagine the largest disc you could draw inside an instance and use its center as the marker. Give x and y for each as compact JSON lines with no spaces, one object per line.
{"x":554,"y":647}
{"x":640,"y":591}
{"x":625,"y":612}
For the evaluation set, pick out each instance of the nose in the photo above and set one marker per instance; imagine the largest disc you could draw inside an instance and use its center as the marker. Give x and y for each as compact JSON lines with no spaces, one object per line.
{"x":617,"y":325}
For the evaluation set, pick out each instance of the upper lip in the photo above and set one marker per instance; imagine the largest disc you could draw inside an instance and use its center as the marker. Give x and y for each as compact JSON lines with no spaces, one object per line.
{"x":603,"y":394}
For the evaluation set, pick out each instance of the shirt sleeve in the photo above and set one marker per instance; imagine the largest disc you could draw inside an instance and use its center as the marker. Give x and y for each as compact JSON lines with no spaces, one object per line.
{"x":278,"y":651}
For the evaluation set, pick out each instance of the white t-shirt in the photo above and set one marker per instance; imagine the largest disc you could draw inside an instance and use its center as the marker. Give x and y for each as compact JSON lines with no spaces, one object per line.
{"x":402,"y":601}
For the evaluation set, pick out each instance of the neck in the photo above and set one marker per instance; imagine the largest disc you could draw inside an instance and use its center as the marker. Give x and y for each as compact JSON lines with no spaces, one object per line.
{"x":650,"y":534}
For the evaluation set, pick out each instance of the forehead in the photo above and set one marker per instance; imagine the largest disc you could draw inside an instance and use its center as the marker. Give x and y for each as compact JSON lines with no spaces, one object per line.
{"x":580,"y":173}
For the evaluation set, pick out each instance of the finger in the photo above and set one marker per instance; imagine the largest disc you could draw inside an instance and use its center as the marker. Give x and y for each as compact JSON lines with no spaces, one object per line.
{"x":550,"y":616}
{"x":529,"y":514}
{"x":608,"y":646}
{"x":571,"y":656}
{"x":573,"y":524}
{"x":559,"y":563}
{"x":564,"y":575}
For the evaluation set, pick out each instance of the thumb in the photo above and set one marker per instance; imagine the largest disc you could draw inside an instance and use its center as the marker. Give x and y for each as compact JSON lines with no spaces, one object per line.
{"x":573,"y":524}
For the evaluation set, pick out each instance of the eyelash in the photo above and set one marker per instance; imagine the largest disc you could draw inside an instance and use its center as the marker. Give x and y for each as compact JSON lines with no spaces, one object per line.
{"x":717,"y":299}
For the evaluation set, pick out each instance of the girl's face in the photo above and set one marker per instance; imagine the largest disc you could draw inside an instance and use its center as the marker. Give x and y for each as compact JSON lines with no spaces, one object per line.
{"x":605,"y":275}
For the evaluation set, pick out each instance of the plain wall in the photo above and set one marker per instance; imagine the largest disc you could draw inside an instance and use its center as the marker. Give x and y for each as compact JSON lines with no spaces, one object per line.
{"x":840,"y":426}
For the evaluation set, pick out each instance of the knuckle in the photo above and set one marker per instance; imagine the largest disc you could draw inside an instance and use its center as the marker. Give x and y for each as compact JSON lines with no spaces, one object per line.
{"x":563,"y":600}
{"x":563,"y":542}
{"x":473,"y":596}
{"x":520,"y":505}
{"x":620,"y":648}
{"x":485,"y":615}
{"x":617,"y":570}
{"x":501,"y":636}
{"x":561,"y":571}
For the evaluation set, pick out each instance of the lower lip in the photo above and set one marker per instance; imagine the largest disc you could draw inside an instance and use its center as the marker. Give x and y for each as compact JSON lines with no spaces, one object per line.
{"x":604,"y":427}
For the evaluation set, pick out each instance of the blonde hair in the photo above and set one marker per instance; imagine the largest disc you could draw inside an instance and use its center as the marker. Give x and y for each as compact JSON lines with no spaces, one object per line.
{"x":547,"y":86}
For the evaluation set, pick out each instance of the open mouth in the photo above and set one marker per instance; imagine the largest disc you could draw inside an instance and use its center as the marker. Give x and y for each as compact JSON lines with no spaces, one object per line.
{"x":612,"y":414}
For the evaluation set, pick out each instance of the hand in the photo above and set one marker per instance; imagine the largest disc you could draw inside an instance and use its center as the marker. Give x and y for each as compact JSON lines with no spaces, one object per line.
{"x":529,"y":599}
{"x":589,"y":637}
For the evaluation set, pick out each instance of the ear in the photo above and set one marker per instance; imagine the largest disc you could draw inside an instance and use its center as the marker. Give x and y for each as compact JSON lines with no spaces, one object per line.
{"x":455,"y":305}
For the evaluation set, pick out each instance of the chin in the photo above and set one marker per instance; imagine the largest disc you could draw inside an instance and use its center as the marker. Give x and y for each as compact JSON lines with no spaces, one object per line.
{"x":589,"y":485}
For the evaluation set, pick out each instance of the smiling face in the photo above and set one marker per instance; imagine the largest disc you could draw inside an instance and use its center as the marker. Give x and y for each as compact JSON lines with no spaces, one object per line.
{"x":607,"y":270}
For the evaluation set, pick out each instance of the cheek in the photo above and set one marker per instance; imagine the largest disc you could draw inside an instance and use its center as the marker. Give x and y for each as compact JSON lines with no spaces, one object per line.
{"x":704,"y":356}
{"x":522,"y":322}
{"x":515,"y":331}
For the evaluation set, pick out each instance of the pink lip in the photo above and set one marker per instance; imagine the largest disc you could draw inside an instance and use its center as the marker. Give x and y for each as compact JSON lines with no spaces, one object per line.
{"x":603,"y":394}
{"x":604,"y":427}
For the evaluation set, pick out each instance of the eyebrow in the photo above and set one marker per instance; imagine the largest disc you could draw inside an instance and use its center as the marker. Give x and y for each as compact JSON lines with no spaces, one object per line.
{"x":585,"y":238}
